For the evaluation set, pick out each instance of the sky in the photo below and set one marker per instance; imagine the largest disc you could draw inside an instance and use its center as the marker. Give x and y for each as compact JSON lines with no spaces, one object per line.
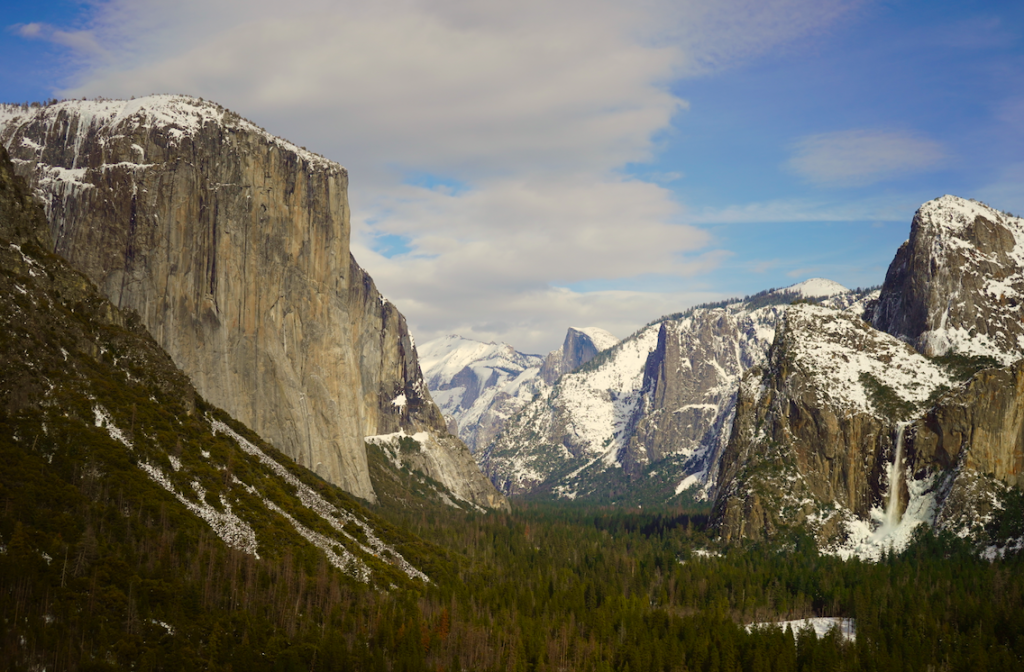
{"x":519,"y":168}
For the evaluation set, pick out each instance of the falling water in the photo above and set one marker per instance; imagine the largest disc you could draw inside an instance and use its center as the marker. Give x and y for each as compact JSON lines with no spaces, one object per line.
{"x":892,"y":509}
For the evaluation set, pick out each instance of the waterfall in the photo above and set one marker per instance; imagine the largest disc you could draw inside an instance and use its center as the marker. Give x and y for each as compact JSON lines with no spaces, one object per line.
{"x":892,"y":509}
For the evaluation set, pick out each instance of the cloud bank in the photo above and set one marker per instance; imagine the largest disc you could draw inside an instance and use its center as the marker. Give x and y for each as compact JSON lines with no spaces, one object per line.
{"x":490,"y":139}
{"x":860,"y":157}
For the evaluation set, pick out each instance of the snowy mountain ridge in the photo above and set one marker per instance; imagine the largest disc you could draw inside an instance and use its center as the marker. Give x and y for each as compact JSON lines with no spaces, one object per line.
{"x":478,"y":386}
{"x":656,"y":407}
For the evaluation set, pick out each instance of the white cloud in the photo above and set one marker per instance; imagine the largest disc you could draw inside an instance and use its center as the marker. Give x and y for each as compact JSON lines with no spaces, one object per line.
{"x":532,"y":107}
{"x":540,"y":237}
{"x":82,"y":42}
{"x":863,"y":156}
{"x":885,"y":208}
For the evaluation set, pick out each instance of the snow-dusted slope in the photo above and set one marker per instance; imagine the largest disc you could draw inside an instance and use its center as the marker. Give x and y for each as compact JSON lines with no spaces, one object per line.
{"x":816,"y":287}
{"x":650,"y":416}
{"x":578,"y":422}
{"x":478,"y":385}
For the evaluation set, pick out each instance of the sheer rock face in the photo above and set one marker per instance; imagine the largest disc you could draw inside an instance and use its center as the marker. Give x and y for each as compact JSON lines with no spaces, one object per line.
{"x":815,"y":436}
{"x":22,"y":220}
{"x":690,"y":382}
{"x":957,"y":284}
{"x":233,"y":247}
{"x":809,"y":445}
{"x":979,"y":427}
{"x":580,"y":346}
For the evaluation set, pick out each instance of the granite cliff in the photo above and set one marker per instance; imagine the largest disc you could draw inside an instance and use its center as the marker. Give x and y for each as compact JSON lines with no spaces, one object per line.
{"x":957,"y":284}
{"x":688,"y":393}
{"x":232,"y":246}
{"x":852,"y":434}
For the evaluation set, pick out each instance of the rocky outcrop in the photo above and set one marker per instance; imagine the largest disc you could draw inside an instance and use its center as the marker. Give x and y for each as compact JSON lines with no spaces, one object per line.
{"x":957,"y":284}
{"x":815,"y":426}
{"x":690,"y":382}
{"x":979,"y":427}
{"x":233,"y":247}
{"x":22,"y":219}
{"x":580,"y":346}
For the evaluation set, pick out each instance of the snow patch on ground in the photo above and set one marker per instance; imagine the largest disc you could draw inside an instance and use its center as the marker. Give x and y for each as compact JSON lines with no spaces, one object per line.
{"x":234,"y":531}
{"x":103,"y":419}
{"x":821,"y":626}
{"x":312,"y":500}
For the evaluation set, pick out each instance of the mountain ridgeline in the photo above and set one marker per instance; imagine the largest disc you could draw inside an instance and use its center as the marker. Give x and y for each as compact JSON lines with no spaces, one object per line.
{"x":646,"y":419}
{"x":854,"y":415}
{"x":480,"y":385}
{"x":232,"y":246}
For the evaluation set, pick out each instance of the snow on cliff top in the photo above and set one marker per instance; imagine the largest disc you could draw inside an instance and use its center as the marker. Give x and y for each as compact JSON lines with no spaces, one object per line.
{"x":953,"y":214}
{"x":838,"y":349}
{"x":183,"y":115}
{"x":815,"y":287}
{"x":602,"y":339}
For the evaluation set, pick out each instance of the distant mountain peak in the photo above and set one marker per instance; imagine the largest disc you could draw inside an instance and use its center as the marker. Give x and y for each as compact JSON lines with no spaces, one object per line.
{"x":815,"y":288}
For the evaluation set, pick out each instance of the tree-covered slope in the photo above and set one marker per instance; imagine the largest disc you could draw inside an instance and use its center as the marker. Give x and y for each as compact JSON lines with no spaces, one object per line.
{"x":142,"y":526}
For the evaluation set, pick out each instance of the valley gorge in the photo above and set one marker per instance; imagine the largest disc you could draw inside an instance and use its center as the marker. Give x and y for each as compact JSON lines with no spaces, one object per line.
{"x":689,"y":497}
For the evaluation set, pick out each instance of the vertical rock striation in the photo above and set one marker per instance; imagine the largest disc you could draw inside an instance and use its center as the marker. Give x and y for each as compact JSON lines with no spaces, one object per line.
{"x":233,"y":247}
{"x":815,"y":425}
{"x":690,"y":381}
{"x":957,"y":284}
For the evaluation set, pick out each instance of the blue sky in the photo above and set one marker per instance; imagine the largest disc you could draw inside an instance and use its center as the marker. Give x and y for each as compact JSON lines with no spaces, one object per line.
{"x":517,"y":171}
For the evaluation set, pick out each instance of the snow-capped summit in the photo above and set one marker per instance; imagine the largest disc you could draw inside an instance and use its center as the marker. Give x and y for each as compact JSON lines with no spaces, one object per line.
{"x":813,"y":288}
{"x":477,"y":385}
{"x":957,"y":284}
{"x":480,"y":385}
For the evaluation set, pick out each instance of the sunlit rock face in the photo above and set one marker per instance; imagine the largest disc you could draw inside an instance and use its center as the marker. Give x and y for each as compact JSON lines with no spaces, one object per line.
{"x":233,"y":247}
{"x":579,"y":347}
{"x":810,"y":441}
{"x":690,"y":380}
{"x":852,"y":434}
{"x":957,"y":284}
